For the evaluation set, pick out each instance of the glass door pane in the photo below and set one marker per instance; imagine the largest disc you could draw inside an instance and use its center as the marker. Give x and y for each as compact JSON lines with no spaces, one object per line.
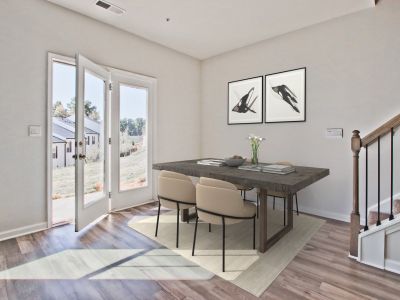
{"x":94,"y":129}
{"x":133,"y":148}
{"x":131,"y":139}
{"x":63,"y":142}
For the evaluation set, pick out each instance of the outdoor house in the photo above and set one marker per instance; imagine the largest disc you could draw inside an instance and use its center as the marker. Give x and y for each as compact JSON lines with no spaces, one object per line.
{"x":64,"y":140}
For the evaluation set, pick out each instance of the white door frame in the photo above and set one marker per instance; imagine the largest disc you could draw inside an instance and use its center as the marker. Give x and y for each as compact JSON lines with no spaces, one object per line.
{"x":53,"y":57}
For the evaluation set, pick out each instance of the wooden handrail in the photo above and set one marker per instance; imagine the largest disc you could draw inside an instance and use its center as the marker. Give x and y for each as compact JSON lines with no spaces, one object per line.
{"x":384,"y":129}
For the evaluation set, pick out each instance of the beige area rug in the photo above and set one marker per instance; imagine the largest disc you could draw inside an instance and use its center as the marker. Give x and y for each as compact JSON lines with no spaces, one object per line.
{"x":244,"y":267}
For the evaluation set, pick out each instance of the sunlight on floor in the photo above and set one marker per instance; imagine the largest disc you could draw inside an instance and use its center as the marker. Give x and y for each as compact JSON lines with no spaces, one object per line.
{"x":99,"y":264}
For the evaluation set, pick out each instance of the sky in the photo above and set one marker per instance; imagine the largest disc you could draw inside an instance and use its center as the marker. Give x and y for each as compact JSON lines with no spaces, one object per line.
{"x":133,"y":100}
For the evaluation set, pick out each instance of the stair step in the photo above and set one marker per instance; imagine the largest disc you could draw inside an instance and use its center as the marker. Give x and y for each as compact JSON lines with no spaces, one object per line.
{"x":373,"y":217}
{"x":396,"y":206}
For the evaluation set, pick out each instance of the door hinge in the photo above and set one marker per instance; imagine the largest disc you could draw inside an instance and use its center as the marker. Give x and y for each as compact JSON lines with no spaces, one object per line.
{"x":109,"y":194}
{"x":110,"y":86}
{"x":109,"y":141}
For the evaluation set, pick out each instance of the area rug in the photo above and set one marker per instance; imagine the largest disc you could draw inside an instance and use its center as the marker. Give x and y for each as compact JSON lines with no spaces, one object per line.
{"x":244,"y":267}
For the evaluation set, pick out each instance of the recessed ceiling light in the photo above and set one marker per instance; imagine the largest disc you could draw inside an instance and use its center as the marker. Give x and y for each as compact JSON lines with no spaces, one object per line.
{"x":110,"y":7}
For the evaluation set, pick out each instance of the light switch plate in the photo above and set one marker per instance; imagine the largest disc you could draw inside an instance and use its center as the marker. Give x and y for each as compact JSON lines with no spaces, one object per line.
{"x":334,"y":133}
{"x":35,"y":130}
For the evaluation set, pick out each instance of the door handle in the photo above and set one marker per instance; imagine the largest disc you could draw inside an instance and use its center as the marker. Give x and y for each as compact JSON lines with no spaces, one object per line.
{"x":82,"y":156}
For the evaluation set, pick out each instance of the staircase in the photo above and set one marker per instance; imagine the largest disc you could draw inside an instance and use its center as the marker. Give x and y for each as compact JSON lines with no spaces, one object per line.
{"x":373,"y":214}
{"x":378,"y":242}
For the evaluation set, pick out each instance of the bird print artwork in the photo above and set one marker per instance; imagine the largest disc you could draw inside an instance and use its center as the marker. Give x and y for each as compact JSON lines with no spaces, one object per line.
{"x":287,"y":95}
{"x":245,"y":103}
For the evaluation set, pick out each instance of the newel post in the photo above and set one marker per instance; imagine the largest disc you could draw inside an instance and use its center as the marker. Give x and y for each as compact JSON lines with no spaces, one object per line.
{"x":355,"y":214}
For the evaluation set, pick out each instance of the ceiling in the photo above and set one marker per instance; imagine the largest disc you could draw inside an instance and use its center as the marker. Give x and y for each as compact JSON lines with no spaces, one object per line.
{"x":205,"y":28}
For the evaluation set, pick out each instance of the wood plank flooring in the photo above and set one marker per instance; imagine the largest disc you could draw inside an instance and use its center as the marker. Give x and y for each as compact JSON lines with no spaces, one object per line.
{"x":321,"y":270}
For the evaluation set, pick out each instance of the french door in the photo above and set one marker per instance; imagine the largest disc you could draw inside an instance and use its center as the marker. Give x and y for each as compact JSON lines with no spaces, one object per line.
{"x":113,"y":140}
{"x":91,"y":142}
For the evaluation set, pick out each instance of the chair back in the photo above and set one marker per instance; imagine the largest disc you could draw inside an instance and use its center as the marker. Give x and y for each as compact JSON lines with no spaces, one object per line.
{"x":176,"y":186}
{"x":218,"y":197}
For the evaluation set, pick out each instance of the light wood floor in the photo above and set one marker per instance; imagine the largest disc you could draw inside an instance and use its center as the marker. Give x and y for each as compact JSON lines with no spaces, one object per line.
{"x":320,"y":271}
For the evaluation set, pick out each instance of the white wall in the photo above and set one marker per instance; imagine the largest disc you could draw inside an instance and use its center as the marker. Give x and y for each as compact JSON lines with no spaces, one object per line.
{"x":31,"y":28}
{"x":352,"y":65}
{"x":353,"y":74}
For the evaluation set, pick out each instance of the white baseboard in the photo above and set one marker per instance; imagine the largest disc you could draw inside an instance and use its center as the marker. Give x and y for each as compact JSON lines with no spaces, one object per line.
{"x":309,"y":210}
{"x":13,"y":233}
{"x":117,"y":209}
{"x":392,"y":266}
{"x":325,"y":214}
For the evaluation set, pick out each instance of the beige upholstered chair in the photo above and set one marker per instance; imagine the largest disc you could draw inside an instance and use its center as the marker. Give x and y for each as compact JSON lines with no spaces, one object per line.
{"x":175,"y":191}
{"x":219,"y":202}
{"x":243,"y":189}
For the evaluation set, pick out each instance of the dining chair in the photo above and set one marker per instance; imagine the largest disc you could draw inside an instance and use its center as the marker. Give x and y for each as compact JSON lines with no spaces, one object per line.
{"x":219,"y":202}
{"x":243,"y":189}
{"x":175,"y":191}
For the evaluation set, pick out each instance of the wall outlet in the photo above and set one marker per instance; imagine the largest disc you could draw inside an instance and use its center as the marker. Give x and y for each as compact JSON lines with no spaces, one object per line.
{"x":35,"y":130}
{"x":334,"y":133}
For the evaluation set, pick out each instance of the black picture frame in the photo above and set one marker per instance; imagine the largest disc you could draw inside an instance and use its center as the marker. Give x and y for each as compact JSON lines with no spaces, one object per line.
{"x":303,"y":99}
{"x":259,"y":120}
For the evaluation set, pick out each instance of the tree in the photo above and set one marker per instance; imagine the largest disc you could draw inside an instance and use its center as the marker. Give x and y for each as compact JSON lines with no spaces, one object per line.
{"x":59,"y":110}
{"x":140,"y":125}
{"x":90,"y":110}
{"x":71,"y":106}
{"x":123,"y":125}
{"x":132,"y":128}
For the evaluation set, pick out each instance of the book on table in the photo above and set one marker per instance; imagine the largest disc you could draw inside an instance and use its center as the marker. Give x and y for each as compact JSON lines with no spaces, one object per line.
{"x":211,"y":162}
{"x":278,"y":169}
{"x":274,"y":168}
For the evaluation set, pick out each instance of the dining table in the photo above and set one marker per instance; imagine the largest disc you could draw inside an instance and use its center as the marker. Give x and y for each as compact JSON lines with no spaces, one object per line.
{"x":265,"y":183}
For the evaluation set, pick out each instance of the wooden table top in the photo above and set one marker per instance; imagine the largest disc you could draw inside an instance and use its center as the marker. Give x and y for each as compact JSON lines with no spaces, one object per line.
{"x":293,"y":182}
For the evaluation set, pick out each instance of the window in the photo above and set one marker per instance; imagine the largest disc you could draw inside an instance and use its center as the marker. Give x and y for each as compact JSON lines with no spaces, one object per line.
{"x":88,"y":140}
{"x":93,"y":139}
{"x":55,"y":153}
{"x":69,"y":147}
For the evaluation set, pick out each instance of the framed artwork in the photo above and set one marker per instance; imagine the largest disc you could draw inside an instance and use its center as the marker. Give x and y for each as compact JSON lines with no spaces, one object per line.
{"x":285,"y":96}
{"x":245,"y":101}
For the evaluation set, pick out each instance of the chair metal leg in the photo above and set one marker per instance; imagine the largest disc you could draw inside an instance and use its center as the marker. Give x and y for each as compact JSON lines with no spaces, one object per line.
{"x":297,"y":204}
{"x":223,"y":244}
{"x":258,"y":204}
{"x":284,"y":211}
{"x":158,"y":216}
{"x":195,"y":233}
{"x":254,"y":233}
{"x":273,"y":204}
{"x":177,"y":225}
{"x":209,"y":227}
